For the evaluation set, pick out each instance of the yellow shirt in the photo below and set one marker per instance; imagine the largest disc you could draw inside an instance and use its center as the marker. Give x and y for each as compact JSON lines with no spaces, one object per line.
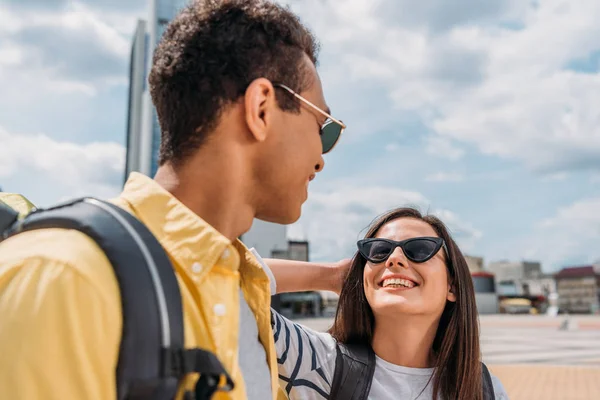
{"x":60,"y":307}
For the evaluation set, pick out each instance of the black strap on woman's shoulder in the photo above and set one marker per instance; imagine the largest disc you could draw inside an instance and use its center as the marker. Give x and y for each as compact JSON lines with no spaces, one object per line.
{"x":486,"y":381}
{"x":354,"y":368}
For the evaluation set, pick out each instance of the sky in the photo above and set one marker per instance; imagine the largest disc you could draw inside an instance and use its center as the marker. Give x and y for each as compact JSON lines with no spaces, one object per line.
{"x":483,"y":113}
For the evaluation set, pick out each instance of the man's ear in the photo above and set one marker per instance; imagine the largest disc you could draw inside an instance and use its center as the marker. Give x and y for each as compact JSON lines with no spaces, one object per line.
{"x":259,"y":101}
{"x":451,"y":296}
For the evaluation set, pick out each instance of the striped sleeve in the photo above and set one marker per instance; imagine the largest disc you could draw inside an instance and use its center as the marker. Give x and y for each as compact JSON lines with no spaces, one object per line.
{"x":306,"y":359}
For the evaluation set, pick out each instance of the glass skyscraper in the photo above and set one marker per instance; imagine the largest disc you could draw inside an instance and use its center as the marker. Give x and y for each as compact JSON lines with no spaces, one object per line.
{"x":143,"y":131}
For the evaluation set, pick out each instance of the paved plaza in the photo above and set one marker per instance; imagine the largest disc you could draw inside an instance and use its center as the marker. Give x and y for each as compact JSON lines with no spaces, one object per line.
{"x":537,"y":357}
{"x":540,"y":340}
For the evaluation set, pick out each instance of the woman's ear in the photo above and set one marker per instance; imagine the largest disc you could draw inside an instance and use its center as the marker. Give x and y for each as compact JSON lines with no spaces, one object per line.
{"x":451,"y":296}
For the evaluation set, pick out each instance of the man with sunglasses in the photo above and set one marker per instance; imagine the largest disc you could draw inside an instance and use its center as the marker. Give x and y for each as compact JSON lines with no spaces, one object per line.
{"x":244,"y":126}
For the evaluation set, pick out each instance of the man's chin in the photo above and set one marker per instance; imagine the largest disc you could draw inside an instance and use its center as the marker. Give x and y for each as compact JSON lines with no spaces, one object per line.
{"x":280,"y":218}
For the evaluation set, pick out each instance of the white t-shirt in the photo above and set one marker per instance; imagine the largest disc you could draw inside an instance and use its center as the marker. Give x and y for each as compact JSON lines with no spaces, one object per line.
{"x":252,"y":356}
{"x":306,"y":361}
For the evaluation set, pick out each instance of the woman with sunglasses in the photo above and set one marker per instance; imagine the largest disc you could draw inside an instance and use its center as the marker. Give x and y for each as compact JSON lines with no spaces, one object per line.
{"x":408,"y":295}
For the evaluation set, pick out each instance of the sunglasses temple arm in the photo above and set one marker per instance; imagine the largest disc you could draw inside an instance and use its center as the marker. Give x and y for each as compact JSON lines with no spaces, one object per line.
{"x":314,"y":107}
{"x":446,"y":250}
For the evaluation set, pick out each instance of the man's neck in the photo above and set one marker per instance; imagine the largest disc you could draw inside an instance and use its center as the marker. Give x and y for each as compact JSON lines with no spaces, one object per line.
{"x":405,"y":340}
{"x":212,"y":188}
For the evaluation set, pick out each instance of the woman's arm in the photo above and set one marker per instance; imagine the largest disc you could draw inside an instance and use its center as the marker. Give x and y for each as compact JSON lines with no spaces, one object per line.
{"x":299,"y":276}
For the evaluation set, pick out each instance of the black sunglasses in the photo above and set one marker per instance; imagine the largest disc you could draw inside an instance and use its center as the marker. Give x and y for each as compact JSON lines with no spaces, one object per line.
{"x":419,"y":249}
{"x":331,"y":130}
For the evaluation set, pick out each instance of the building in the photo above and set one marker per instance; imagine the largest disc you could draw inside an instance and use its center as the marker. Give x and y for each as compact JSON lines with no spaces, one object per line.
{"x":544,"y":285}
{"x":137,"y":67}
{"x":486,"y":296}
{"x":507,"y":271}
{"x":269,"y":240}
{"x":143,"y":130}
{"x":300,"y":303}
{"x":475,"y":264}
{"x":523,"y":287}
{"x":579,"y":289}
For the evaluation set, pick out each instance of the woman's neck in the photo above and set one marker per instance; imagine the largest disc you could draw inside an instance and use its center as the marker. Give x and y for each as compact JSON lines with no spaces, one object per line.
{"x":405,"y":340}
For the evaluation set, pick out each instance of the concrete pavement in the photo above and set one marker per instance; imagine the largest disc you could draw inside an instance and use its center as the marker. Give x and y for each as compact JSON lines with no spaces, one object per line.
{"x":549,"y":382}
{"x":537,"y":357}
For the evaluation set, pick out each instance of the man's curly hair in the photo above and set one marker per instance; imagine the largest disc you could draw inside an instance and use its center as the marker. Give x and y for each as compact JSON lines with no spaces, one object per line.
{"x":208,"y":56}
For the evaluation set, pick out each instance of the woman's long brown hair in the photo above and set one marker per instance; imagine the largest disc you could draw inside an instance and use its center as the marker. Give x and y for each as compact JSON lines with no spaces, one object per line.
{"x":456,"y":345}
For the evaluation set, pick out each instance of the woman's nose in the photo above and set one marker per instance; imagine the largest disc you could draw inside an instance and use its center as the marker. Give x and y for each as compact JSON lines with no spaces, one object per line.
{"x":397,"y":258}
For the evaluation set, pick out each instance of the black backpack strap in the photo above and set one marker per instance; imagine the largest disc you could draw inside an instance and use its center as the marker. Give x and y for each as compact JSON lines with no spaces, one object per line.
{"x":486,"y":381}
{"x":8,"y":217}
{"x":354,"y":368}
{"x":152,"y":359}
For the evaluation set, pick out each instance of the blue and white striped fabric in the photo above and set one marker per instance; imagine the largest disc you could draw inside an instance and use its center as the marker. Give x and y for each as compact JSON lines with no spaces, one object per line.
{"x":306,"y":359}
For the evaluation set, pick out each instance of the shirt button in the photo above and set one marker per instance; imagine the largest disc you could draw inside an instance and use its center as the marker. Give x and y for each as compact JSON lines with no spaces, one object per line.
{"x":225,"y":254}
{"x":197,"y":268}
{"x":219,"y":309}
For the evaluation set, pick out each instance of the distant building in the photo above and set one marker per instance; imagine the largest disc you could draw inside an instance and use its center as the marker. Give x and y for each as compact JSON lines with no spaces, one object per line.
{"x":544,"y":285}
{"x":475,"y":264}
{"x":298,"y":304}
{"x":302,"y":304}
{"x":521,"y":282}
{"x":521,"y":278}
{"x":269,"y":240}
{"x":137,"y":76}
{"x":143,"y":130}
{"x":486,"y":295}
{"x":579,"y":289}
{"x":515,"y":271}
{"x":296,"y":250}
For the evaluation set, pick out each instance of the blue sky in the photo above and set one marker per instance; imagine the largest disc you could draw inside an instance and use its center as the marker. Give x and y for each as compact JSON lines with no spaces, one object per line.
{"x":485,"y":113}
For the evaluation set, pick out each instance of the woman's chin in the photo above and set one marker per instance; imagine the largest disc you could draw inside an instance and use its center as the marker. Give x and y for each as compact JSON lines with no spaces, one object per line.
{"x":394,"y":305}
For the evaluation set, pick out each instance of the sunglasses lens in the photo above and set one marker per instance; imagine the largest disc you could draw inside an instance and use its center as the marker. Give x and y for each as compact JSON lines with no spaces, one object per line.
{"x":376,"y":250}
{"x":330,"y":133}
{"x":420,"y":250}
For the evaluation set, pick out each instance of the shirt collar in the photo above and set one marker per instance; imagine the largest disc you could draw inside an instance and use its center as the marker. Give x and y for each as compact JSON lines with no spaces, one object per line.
{"x":185,"y":236}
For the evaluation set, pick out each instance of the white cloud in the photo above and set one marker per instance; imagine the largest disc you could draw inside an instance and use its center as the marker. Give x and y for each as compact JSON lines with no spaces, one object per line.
{"x":572,"y":233}
{"x":443,"y":147}
{"x":335,"y":219}
{"x":445,"y":177}
{"x":392,"y":147}
{"x":65,"y":49}
{"x":556,"y":177}
{"x":462,"y":231}
{"x":94,"y":169}
{"x":491,"y":75}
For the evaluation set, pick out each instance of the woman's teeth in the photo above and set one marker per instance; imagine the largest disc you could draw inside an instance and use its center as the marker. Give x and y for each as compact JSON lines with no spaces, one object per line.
{"x":396,"y":282}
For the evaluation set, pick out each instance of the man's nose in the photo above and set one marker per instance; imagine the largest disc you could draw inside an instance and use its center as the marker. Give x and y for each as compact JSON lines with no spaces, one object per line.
{"x":320,"y":165}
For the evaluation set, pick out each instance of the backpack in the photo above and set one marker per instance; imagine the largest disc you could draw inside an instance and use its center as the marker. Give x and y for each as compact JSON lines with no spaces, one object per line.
{"x":354,"y":368}
{"x":152,"y":358}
